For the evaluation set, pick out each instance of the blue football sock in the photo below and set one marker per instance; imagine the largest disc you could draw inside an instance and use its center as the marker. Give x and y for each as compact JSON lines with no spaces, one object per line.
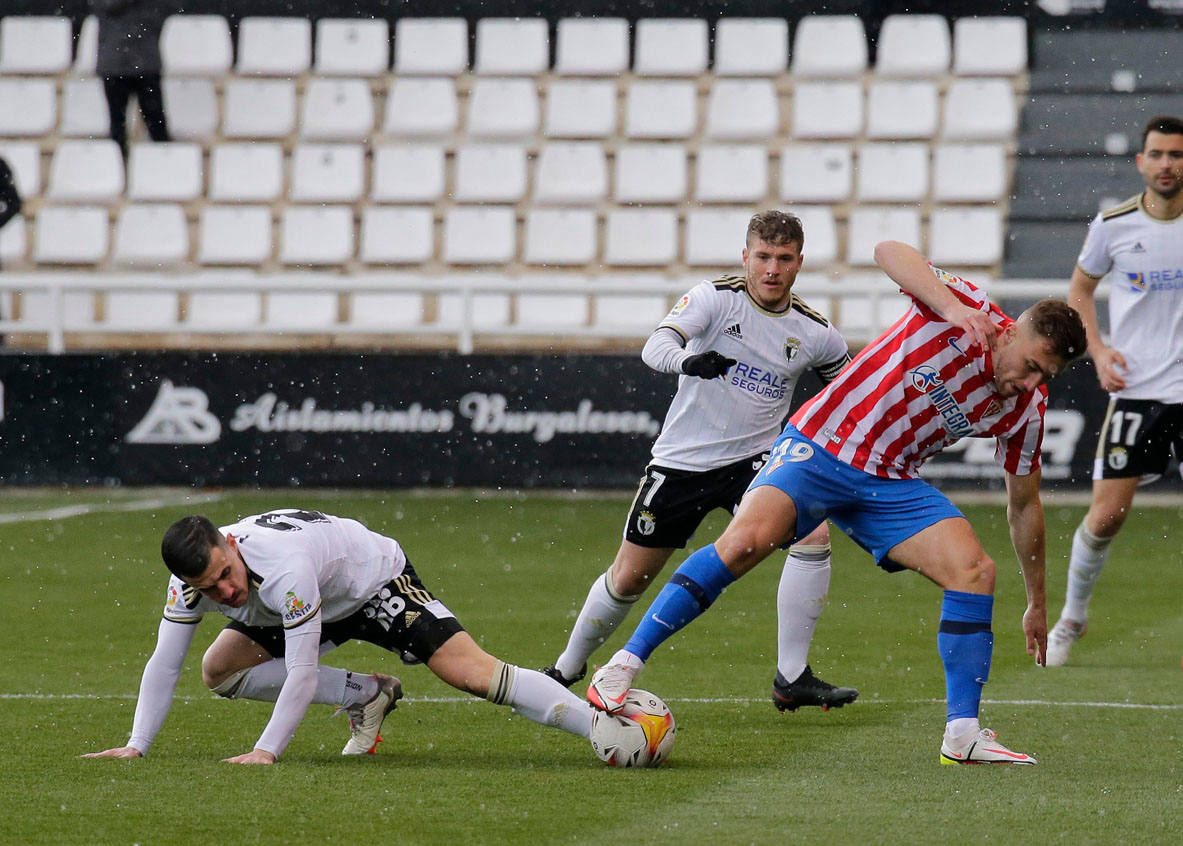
{"x":966,"y":645}
{"x":690,"y":591}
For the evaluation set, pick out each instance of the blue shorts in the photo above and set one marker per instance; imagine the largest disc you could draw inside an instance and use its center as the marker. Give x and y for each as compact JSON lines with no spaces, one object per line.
{"x":876,"y":513}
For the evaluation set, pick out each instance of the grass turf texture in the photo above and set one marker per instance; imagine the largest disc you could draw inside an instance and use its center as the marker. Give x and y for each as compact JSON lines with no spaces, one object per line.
{"x":83,"y":598}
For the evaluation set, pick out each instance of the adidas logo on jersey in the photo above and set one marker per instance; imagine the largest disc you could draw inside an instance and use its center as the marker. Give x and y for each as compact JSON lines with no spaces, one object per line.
{"x":734,"y":332}
{"x":1137,"y":248}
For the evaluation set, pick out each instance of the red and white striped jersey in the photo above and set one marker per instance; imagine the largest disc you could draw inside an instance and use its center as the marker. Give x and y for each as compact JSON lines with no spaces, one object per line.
{"x":919,"y":387}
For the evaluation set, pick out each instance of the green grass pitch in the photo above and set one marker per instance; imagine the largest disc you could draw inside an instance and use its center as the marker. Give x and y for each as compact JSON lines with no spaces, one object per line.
{"x":82,"y":594}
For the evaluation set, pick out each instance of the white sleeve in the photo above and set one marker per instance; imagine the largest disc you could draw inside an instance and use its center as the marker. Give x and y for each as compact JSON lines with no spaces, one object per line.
{"x":1094,"y":258}
{"x":301,"y":657}
{"x":160,"y":681}
{"x":665,"y":351}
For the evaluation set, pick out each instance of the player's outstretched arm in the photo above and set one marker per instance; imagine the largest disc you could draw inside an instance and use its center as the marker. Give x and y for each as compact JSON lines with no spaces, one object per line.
{"x":1024,"y":514}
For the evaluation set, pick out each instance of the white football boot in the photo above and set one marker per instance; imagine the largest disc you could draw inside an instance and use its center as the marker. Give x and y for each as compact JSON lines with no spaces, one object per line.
{"x":366,"y":719}
{"x":610,"y":685}
{"x":1060,"y":639}
{"x":980,"y":748}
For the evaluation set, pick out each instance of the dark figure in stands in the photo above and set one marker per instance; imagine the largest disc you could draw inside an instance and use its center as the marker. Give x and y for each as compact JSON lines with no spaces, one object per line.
{"x":129,"y":62}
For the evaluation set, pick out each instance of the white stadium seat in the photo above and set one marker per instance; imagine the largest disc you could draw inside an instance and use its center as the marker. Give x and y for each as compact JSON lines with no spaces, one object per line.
{"x":165,"y":172}
{"x":731,"y":173}
{"x":28,"y":107}
{"x":195,"y":45}
{"x":868,"y":225}
{"x":751,"y":46}
{"x":897,"y":109}
{"x":259,"y":108}
{"x":71,"y":235}
{"x":38,"y":310}
{"x":86,"y":54}
{"x":816,"y":173}
{"x":553,"y":311}
{"x":383,"y":311}
{"x":316,"y":235}
{"x":327,"y":173}
{"x":396,"y":235}
{"x":969,"y":173}
{"x":635,"y":314}
{"x":337,"y":110}
{"x":829,"y":46}
{"x":989,"y":46}
{"x":274,"y":46}
{"x":490,"y":173}
{"x":407,"y":173}
{"x":571,"y":172}
{"x":219,"y":311}
{"x":715,"y":237}
{"x":980,"y":109}
{"x":352,"y":47}
{"x":86,"y":171}
{"x":650,"y":173}
{"x":892,"y":172}
{"x":661,"y":109}
{"x":151,"y":235}
{"x":581,"y":108}
{"x":827,"y":110}
{"x":35,"y":44}
{"x":142,"y":310}
{"x":190,"y":107}
{"x":431,"y":46}
{"x":488,"y":311}
{"x":480,"y":235}
{"x":512,"y":46}
{"x":671,"y":47}
{"x":421,"y":107}
{"x":640,"y":237}
{"x":234,"y":235}
{"x":742,"y":109}
{"x":821,"y":235}
{"x":246,"y":173}
{"x":24,"y":159}
{"x":502,"y":108}
{"x":965,"y":236}
{"x":560,"y":236}
{"x":296,"y":311}
{"x":13,"y":241}
{"x":914,"y":46}
{"x":84,"y":109}
{"x":591,"y":46}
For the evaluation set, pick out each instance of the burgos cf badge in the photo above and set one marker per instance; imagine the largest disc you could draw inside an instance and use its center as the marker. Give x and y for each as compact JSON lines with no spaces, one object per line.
{"x":646,"y":523}
{"x":1137,"y":281}
{"x":1118,"y":458}
{"x":792,"y":347}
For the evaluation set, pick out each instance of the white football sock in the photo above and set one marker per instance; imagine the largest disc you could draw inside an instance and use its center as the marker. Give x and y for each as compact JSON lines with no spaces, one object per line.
{"x":800,"y":597}
{"x":1088,"y":558}
{"x":540,"y":698}
{"x":602,"y":612}
{"x":961,"y":729}
{"x":333,"y":686}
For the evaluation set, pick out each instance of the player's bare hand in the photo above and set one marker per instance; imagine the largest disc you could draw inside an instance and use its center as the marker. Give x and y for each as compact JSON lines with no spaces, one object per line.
{"x":1111,"y":367}
{"x":255,"y":756}
{"x":117,"y":752}
{"x":977,"y":325}
{"x":1035,"y":629}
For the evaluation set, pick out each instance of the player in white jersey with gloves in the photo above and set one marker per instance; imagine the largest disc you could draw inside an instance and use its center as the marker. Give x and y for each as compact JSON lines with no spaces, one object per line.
{"x":295,"y":584}
{"x":1139,"y":244}
{"x":740,"y":345}
{"x":953,"y":366}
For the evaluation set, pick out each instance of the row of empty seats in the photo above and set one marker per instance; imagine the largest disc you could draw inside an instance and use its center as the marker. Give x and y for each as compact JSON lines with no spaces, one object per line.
{"x":822,"y":45}
{"x":433,"y":107}
{"x":160,"y":235}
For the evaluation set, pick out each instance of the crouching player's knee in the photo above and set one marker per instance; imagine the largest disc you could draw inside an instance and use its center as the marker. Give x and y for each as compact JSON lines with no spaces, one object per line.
{"x":225,"y":685}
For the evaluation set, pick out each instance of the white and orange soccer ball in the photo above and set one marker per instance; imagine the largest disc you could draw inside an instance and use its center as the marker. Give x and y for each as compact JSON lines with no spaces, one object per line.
{"x":641,"y":734}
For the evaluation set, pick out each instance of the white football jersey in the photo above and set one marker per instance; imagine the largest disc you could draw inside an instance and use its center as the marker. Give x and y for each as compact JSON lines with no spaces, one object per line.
{"x":714,"y":422}
{"x":297,"y":561}
{"x":1144,"y":256}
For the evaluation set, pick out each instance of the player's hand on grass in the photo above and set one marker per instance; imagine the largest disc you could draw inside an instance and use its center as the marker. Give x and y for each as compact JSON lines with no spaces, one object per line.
{"x":707,"y":365}
{"x":1035,"y":628}
{"x":117,"y":752}
{"x":255,"y":756}
{"x":1110,"y":365}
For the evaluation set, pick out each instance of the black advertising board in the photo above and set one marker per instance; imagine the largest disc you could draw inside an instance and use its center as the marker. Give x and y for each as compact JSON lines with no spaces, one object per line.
{"x":385,"y":420}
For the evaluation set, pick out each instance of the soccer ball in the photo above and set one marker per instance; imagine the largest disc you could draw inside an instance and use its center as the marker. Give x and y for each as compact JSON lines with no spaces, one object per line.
{"x":641,"y":734}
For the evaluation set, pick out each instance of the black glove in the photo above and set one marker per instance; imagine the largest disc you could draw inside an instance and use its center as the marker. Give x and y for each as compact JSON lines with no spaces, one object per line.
{"x":708,"y":365}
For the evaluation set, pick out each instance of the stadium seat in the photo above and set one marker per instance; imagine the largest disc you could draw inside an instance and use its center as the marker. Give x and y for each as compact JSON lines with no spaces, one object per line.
{"x":591,"y":46}
{"x":77,"y":309}
{"x":821,"y":235}
{"x":989,"y":46}
{"x":140,"y":310}
{"x":1042,"y":249}
{"x":512,"y":46}
{"x":337,"y":110}
{"x":581,"y":108}
{"x":165,"y":172}
{"x":913,"y":46}
{"x":965,"y":236}
{"x":571,"y":172}
{"x":641,"y":237}
{"x":396,"y":235}
{"x":731,"y":173}
{"x":190,"y":107}
{"x":234,"y":235}
{"x":259,"y":108}
{"x":751,"y":47}
{"x":868,"y":225}
{"x":407,"y":173}
{"x":980,"y":109}
{"x":431,"y":46}
{"x":1071,"y":188}
{"x":1079,"y":124}
{"x":1082,"y":60}
{"x":671,"y":47}
{"x":480,"y":235}
{"x":316,"y":235}
{"x":220,"y":310}
{"x":816,"y":173}
{"x":84,"y":109}
{"x":502,"y":108}
{"x":421,"y":107}
{"x":901,"y":109}
{"x":382,"y":311}
{"x":14,"y":245}
{"x":550,"y":311}
{"x":296,"y":311}
{"x":195,"y":45}
{"x":28,"y":107}
{"x":650,"y":173}
{"x":715,"y":237}
{"x":866,"y":314}
{"x":86,"y":171}
{"x":969,"y":173}
{"x":327,"y":173}
{"x":661,"y":109}
{"x":560,"y":236}
{"x":829,"y":46}
{"x":892,"y":172}
{"x":632,"y":314}
{"x":71,"y":235}
{"x":86,"y":52}
{"x":274,"y":46}
{"x":742,"y":109}
{"x":490,"y":173}
{"x":151,"y":235}
{"x":35,"y":44}
{"x":352,"y":47}
{"x":24,"y":159}
{"x":827,"y":110}
{"x":246,"y":173}
{"x":488,"y":310}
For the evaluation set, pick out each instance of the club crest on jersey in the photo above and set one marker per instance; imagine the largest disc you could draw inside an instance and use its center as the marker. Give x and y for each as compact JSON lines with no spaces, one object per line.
{"x":1137,"y":281}
{"x":1118,"y":458}
{"x":927,"y":380}
{"x":792,"y":347}
{"x":646,"y":523}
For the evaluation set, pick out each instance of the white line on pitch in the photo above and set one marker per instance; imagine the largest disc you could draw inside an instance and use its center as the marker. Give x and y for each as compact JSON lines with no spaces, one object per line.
{"x":132,"y":505}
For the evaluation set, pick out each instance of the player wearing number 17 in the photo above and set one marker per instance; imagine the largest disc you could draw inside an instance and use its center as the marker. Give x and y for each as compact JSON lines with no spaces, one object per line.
{"x":953,"y":366}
